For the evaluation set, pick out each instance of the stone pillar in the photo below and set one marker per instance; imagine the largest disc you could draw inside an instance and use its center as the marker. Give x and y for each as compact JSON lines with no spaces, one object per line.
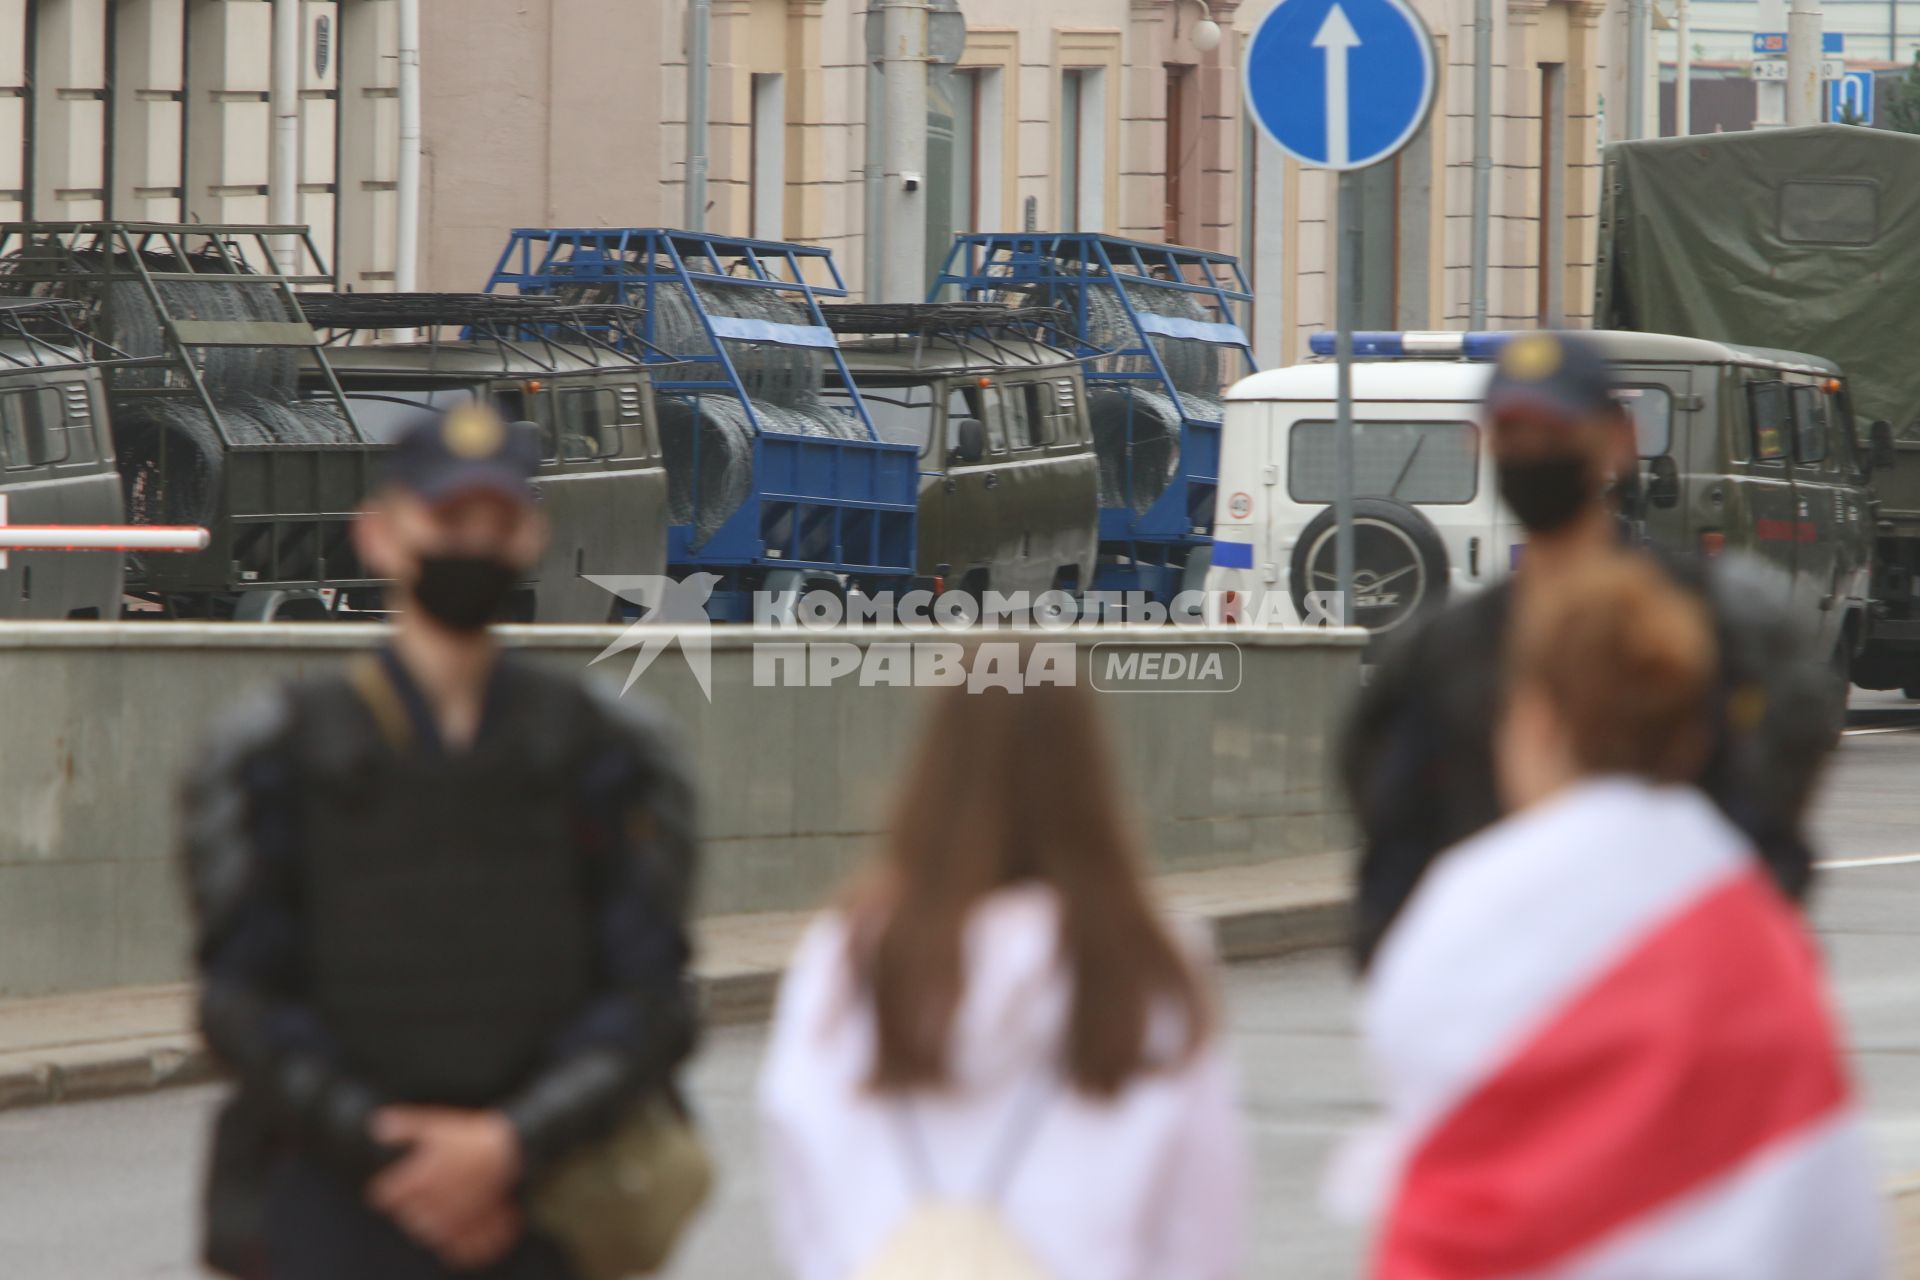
{"x":1586,"y":81}
{"x":69,"y":109}
{"x":149,"y":84}
{"x":369,"y":121}
{"x":807,"y":123}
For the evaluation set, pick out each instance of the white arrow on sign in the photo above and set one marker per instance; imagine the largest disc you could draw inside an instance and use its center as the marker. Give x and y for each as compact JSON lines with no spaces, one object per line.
{"x":1336,"y":36}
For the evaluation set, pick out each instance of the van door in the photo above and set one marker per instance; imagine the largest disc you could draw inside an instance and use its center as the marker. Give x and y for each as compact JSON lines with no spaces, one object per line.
{"x":1763,"y":513}
{"x":53,"y":470}
{"x":1662,"y":404}
{"x":970,"y":525}
{"x":1822,"y":567}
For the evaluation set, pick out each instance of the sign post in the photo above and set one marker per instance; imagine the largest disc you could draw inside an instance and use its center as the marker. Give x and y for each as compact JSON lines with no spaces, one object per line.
{"x":1340,"y":85}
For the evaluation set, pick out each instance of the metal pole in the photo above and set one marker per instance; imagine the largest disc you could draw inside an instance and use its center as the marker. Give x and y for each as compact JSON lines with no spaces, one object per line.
{"x":283,"y":177}
{"x":1683,"y":73}
{"x":406,"y":240}
{"x":1482,"y":161}
{"x":903,"y":198}
{"x":1770,"y":96}
{"x":1639,"y":19}
{"x":699,"y":75}
{"x":874,"y":176}
{"x":1803,"y":63}
{"x":1344,"y":307}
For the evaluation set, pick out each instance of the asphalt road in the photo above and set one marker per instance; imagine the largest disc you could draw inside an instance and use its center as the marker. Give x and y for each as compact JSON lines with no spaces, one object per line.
{"x":104,"y":1191}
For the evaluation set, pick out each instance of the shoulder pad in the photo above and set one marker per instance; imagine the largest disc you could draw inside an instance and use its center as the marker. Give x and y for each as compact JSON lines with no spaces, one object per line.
{"x":237,"y":756}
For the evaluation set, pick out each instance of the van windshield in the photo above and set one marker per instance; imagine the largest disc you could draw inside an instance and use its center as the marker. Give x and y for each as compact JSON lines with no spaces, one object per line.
{"x":902,"y":413}
{"x":1435,"y":462}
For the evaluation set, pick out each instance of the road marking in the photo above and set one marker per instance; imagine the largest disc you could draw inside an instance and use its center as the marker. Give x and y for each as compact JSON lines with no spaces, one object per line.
{"x":1885,"y":860}
{"x":1892,"y":728}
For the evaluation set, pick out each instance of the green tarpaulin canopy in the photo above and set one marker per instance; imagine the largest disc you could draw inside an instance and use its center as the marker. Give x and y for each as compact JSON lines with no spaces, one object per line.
{"x":1802,"y":239}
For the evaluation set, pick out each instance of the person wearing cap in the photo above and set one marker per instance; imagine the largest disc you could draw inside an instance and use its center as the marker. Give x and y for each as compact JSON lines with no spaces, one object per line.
{"x":1417,"y":757}
{"x":440,"y":904}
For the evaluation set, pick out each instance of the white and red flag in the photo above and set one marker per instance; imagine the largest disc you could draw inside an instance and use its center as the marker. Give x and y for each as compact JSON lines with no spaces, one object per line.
{"x":1606,"y":1054}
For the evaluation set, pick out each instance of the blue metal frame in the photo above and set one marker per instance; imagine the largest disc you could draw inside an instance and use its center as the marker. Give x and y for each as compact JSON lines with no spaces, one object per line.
{"x":1144,"y":551}
{"x":823,"y":504}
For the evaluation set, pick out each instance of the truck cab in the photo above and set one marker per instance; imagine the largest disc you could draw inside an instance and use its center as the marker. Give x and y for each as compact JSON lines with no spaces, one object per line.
{"x":56,"y":463}
{"x":1741,"y":449}
{"x":602,"y":480}
{"x":1009,"y":484}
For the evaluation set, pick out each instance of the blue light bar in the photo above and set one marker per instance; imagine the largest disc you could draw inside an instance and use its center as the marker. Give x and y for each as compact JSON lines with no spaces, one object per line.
{"x":1398,"y":345}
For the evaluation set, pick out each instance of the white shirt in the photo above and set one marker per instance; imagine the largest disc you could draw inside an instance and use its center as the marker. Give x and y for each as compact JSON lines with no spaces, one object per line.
{"x":1149,"y":1185}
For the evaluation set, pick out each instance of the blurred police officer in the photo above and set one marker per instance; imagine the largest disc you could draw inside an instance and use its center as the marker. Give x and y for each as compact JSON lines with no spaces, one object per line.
{"x":1418,"y":758}
{"x":440,"y":902}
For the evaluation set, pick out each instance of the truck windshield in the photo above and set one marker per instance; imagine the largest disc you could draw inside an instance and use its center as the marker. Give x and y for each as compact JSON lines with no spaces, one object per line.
{"x":1436,"y":462}
{"x":902,"y":413}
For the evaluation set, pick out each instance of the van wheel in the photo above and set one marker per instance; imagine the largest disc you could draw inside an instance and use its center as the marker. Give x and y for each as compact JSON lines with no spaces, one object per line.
{"x":1399,"y":564}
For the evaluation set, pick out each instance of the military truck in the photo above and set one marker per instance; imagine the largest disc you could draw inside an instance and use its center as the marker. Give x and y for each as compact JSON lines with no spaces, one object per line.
{"x":56,"y":459}
{"x":602,"y":481}
{"x":208,"y":425}
{"x":1009,"y":484}
{"x":1806,"y":239}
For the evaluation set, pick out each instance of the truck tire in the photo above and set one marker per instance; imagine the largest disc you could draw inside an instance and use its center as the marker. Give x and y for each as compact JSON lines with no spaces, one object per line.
{"x":1399,"y":564}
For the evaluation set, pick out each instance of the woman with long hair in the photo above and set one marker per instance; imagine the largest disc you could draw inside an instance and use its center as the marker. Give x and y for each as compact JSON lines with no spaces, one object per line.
{"x":997,"y":1019}
{"x":1601,"y":1029}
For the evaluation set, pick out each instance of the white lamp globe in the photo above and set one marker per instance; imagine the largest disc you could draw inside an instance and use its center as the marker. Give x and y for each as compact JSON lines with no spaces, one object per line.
{"x":1205,"y":35}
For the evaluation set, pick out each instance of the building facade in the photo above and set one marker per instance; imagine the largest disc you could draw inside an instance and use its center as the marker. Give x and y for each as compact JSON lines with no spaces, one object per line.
{"x":1100,"y":115}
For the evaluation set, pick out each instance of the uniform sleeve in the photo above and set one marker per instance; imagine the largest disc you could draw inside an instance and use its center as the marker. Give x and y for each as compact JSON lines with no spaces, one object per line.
{"x":636,"y":825}
{"x":240,"y":843}
{"x":1387,"y":778}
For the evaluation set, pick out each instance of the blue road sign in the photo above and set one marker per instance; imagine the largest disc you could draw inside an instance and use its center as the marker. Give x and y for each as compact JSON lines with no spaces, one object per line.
{"x":1850,"y":98}
{"x":1773,"y":44}
{"x":1340,"y":83}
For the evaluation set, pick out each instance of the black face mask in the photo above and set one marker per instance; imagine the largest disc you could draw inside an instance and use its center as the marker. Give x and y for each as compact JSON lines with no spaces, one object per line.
{"x":1547,"y":493}
{"x":463,"y":593}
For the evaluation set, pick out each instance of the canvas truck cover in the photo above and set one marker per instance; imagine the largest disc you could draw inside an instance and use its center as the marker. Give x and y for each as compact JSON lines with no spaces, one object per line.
{"x":1802,"y":239}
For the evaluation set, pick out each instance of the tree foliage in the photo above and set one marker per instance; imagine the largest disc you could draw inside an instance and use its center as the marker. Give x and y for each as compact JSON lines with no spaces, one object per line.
{"x":1902,"y":108}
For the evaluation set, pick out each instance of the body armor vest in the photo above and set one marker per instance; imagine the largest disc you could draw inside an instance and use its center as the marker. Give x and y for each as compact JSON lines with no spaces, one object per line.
{"x":447,"y":920}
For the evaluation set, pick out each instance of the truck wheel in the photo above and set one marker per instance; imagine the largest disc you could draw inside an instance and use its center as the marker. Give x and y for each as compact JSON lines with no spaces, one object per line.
{"x":1399,"y":564}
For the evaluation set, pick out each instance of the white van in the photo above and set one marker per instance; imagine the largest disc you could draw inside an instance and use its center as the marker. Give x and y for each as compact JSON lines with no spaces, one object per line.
{"x":1427,"y":518}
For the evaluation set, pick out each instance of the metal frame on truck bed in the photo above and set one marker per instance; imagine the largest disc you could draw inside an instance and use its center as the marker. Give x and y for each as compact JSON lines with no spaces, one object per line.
{"x":207,"y":424}
{"x":1156,"y":408}
{"x":770,"y":487}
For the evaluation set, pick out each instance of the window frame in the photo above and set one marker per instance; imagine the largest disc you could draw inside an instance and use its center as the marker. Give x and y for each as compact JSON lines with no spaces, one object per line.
{"x":41,"y":397}
{"x":1784,"y":449}
{"x":1472,"y":430}
{"x":1634,"y":390}
{"x":1801,"y":395}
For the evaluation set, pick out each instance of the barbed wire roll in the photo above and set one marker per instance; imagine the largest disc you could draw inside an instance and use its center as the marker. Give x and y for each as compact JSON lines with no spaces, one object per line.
{"x":1142,"y":416}
{"x":707,"y":498}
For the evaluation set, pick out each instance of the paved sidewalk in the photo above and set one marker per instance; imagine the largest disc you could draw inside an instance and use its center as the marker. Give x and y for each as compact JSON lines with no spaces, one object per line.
{"x":101,"y":1043}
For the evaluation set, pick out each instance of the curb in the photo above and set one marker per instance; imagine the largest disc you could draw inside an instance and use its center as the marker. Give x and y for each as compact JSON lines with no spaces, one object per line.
{"x":731,"y":999}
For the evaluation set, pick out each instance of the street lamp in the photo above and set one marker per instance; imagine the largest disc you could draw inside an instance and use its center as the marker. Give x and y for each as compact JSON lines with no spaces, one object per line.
{"x":1205,"y":35}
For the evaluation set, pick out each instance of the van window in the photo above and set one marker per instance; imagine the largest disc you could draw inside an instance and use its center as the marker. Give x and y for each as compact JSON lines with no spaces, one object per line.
{"x":33,"y":428}
{"x":901,"y":414}
{"x":1767,"y":409}
{"x":1651,"y":409}
{"x":386,"y":410}
{"x":1436,"y":462}
{"x":1830,"y":211}
{"x":587,"y":425}
{"x":1809,"y":424}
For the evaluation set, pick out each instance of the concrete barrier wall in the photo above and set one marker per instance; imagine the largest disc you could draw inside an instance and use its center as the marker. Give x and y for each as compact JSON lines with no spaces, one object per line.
{"x":98,"y":721}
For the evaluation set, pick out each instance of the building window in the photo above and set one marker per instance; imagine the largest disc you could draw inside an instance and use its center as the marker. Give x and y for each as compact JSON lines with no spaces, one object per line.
{"x":1551,"y":304}
{"x":1183,"y":141}
{"x":769,"y":143}
{"x":1083,"y":144}
{"x":1396,"y":219}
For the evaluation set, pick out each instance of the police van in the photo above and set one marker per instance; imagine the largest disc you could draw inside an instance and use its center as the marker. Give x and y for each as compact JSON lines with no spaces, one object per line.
{"x":1741,"y":448}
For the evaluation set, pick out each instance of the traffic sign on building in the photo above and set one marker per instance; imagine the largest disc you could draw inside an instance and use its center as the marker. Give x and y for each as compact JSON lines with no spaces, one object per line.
{"x":1340,"y":84}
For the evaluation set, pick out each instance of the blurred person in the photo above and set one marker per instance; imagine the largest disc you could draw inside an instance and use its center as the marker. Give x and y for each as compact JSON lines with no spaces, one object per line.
{"x":1417,"y":759}
{"x":1601,"y":1030}
{"x":440,"y":903}
{"x":996,"y":1053}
